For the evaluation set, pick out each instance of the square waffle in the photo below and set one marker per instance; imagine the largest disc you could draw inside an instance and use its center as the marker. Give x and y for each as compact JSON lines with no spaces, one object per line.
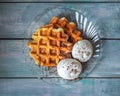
{"x":69,"y":28}
{"x":49,"y":45}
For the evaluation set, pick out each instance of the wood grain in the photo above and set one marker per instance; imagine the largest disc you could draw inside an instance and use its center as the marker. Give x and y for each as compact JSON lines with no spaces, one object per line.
{"x":16,"y":62}
{"x":15,"y":18}
{"x":90,"y":1}
{"x":12,"y":59}
{"x":35,"y":87}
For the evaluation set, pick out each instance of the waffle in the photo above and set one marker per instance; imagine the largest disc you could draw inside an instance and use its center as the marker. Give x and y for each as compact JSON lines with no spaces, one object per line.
{"x":49,"y":46}
{"x":74,"y":35}
{"x":69,"y":28}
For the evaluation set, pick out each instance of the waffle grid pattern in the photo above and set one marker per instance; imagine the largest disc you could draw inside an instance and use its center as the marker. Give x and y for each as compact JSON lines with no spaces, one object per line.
{"x":51,"y":46}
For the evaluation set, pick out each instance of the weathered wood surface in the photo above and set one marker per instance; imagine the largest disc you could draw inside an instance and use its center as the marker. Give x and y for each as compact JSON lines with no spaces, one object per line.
{"x":60,"y":1}
{"x":15,"y":18}
{"x":16,"y":62}
{"x":12,"y":59}
{"x":34,"y":87}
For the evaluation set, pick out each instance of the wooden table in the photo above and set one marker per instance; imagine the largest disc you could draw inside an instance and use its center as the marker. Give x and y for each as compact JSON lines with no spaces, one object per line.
{"x":16,"y":75}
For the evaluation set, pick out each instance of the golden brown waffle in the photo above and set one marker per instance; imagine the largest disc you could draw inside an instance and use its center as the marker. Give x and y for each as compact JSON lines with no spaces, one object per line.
{"x":49,"y":46}
{"x":69,"y":28}
{"x":74,"y":35}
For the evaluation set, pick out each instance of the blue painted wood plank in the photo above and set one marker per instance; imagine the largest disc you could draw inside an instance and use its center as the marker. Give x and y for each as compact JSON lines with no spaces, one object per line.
{"x":16,"y":18}
{"x":109,"y":64}
{"x":16,"y":62}
{"x":59,"y":1}
{"x":35,"y":87}
{"x":12,"y":60}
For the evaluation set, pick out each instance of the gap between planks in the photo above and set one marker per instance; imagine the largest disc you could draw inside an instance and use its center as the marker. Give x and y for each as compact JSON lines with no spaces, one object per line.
{"x":31,"y":38}
{"x":57,"y":78}
{"x":69,"y":1}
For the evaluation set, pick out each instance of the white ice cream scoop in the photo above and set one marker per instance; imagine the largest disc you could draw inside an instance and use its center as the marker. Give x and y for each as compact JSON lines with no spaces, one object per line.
{"x":69,"y":69}
{"x":82,"y":50}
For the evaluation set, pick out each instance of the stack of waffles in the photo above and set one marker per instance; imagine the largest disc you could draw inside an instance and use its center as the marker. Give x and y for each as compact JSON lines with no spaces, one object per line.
{"x":54,"y":41}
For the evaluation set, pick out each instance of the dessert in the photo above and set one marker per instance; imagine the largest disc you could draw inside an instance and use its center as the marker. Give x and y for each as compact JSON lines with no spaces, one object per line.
{"x":49,"y":46}
{"x":69,"y":28}
{"x":69,"y":69}
{"x":55,"y":43}
{"x":74,"y":35}
{"x":82,"y":50}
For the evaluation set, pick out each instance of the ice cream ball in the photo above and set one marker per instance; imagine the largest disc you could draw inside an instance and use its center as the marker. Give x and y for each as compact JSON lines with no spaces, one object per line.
{"x":69,"y":69}
{"x":82,"y":50}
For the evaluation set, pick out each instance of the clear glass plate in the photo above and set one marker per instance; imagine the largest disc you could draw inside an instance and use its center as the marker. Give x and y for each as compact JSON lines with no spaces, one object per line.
{"x":89,"y":31}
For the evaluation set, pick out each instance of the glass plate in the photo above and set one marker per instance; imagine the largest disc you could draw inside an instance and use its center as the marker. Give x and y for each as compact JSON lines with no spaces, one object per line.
{"x":89,"y":31}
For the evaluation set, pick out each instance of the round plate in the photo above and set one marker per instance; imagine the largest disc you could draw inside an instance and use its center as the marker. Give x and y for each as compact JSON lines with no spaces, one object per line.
{"x":89,"y":32}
